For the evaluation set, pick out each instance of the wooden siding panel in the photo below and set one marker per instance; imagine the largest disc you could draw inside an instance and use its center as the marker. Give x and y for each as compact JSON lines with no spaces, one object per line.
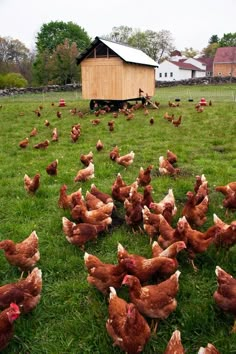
{"x":224,"y":69}
{"x":113,"y":79}
{"x":138,"y":76}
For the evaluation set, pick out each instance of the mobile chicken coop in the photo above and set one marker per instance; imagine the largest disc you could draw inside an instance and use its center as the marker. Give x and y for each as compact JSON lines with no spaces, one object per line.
{"x":113,"y":73}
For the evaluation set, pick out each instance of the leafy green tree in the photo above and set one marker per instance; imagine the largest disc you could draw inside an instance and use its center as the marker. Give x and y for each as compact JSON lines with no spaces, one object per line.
{"x":190,"y":52}
{"x":120,"y":34}
{"x":228,"y":40}
{"x":214,"y":39}
{"x":210,"y":50}
{"x":58,"y":67}
{"x":50,"y":65}
{"x":41,"y":74}
{"x":53,"y":34}
{"x":63,"y":64}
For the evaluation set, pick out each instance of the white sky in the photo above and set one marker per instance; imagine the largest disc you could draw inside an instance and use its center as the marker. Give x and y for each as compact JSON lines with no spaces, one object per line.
{"x":191,"y":23}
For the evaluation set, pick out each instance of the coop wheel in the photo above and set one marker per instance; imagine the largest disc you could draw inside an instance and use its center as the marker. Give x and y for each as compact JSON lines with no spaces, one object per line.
{"x":92,"y":104}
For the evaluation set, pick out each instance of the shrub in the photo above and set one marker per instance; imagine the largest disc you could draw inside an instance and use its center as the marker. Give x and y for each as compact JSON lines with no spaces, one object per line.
{"x":12,"y":80}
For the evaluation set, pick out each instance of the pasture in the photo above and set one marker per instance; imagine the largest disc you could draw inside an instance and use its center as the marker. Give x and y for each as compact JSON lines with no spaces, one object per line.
{"x":71,"y":315}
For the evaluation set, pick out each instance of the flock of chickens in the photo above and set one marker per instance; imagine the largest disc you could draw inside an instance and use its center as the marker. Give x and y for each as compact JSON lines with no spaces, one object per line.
{"x":153,"y":283}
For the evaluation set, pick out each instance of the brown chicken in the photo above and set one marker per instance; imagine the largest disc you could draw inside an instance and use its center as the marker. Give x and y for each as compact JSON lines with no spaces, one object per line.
{"x":126,"y":326}
{"x":196,"y":241}
{"x":85,"y":174}
{"x":99,"y":145}
{"x":229,"y":191}
{"x":7,"y":318}
{"x":33,"y":132}
{"x":199,"y":180}
{"x":74,"y":134}
{"x":144,"y":178}
{"x":31,"y":185}
{"x":202,"y":192}
{"x":59,"y":114}
{"x":170,"y":252}
{"x":114,"y":153}
{"x":226,"y":189}
{"x":209,"y":349}
{"x":175,"y":345}
{"x":120,"y":190}
{"x":54,"y":135}
{"x":80,"y":114}
{"x":151,"y":121}
{"x":97,"y":120}
{"x":167,"y":201}
{"x":42,"y":145}
{"x":168,"y":117}
{"x":168,"y":234}
{"x":111,"y":125}
{"x":166,"y":168}
{"x":97,"y":216}
{"x":177,"y":122}
{"x":103,"y":275}
{"x":145,"y":268}
{"x":226,"y":235}
{"x":105,"y":198}
{"x":80,"y":234}
{"x":68,"y":201}
{"x":51,"y":169}
{"x":171,"y":157}
{"x":46,"y":123}
{"x":230,"y":202}
{"x":24,"y":254}
{"x":151,"y":223}
{"x":26,"y":292}
{"x":125,"y":160}
{"x":147,"y":196}
{"x":154,"y":301}
{"x":225,"y":295}
{"x":195,"y":213}
{"x":24,"y":143}
{"x":133,"y":211}
{"x":86,"y":159}
{"x":92,"y":202}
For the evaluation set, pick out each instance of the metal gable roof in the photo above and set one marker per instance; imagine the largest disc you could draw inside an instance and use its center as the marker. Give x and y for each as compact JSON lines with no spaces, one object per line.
{"x":125,"y":52}
{"x":186,"y":66}
{"x":225,"y":55}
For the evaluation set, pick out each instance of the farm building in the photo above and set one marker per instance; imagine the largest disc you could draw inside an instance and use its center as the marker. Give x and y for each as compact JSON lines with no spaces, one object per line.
{"x":225,"y":62}
{"x":115,"y":72}
{"x":179,"y":68}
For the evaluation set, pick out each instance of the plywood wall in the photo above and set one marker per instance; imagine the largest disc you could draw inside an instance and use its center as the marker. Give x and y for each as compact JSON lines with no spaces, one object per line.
{"x":113,"y":79}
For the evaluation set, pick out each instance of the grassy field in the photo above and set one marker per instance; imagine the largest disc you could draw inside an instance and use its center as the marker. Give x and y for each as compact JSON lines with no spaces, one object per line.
{"x":71,"y":316}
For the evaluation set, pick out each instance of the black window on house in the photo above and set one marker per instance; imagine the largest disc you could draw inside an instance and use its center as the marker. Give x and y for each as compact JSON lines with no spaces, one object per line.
{"x":171,"y":74}
{"x":160,"y":74}
{"x":165,"y":74}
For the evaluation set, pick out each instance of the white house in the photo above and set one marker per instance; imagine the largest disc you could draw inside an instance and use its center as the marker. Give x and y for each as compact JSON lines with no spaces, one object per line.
{"x":182,"y":69}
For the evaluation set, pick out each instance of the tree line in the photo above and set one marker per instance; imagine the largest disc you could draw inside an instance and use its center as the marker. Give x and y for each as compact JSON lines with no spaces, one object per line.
{"x":58,"y":44}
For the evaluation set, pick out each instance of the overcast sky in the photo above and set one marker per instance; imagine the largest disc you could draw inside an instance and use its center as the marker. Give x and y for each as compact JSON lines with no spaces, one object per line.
{"x":191,"y":23}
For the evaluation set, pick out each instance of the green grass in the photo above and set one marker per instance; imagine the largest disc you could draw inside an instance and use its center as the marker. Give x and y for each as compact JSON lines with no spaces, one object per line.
{"x":71,"y":315}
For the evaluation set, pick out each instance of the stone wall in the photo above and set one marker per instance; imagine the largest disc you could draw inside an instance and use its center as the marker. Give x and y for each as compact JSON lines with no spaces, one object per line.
{"x":217,"y":80}
{"x":49,"y":88}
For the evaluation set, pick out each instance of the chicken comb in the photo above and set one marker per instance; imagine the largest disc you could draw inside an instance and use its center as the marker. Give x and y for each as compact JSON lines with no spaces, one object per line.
{"x":14,"y":307}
